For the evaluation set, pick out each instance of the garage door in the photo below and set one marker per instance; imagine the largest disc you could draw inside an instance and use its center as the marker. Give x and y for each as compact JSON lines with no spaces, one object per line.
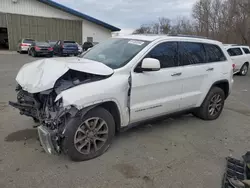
{"x":41,"y":29}
{"x":3,"y":22}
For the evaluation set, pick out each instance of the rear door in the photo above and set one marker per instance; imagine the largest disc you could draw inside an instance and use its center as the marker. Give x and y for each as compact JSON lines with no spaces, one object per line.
{"x":237,"y":56}
{"x":194,"y":72}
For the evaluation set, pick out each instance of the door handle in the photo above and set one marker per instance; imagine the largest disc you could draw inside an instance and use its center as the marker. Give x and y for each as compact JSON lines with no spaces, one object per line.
{"x":176,"y":74}
{"x":210,"y":69}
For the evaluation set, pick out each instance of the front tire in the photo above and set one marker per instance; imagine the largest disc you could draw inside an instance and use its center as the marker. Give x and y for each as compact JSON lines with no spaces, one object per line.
{"x":89,"y":136}
{"x":244,"y":70}
{"x":212,"y":106}
{"x":33,"y":53}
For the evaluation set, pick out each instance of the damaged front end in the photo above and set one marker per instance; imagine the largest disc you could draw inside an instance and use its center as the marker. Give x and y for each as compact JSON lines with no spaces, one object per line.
{"x":51,"y":115}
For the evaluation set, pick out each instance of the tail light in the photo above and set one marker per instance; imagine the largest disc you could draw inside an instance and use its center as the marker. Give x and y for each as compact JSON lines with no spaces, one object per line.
{"x":24,"y":44}
{"x":37,"y":48}
{"x":233,"y":65}
{"x":50,"y":49}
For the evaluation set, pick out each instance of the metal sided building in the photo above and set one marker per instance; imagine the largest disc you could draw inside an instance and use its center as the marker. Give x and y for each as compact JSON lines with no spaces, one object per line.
{"x":44,"y":20}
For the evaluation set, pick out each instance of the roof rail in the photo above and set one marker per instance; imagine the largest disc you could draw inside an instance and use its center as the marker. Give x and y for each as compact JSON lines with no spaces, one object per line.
{"x":238,"y":45}
{"x":191,"y":36}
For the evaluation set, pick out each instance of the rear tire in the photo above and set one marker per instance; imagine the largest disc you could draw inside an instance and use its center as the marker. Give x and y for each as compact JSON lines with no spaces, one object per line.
{"x":244,"y":70}
{"x":212,"y":106}
{"x":84,"y":134}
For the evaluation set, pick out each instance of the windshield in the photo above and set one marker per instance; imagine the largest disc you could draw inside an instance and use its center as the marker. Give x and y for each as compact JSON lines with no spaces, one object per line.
{"x":42,"y":43}
{"x":28,"y":41}
{"x":52,"y":42}
{"x":69,"y":42}
{"x":115,"y":52}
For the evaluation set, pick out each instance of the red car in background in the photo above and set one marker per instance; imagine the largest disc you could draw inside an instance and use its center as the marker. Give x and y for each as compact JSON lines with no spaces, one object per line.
{"x":40,"y":49}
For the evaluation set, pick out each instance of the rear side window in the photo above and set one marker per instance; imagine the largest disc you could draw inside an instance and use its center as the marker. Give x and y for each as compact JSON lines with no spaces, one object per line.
{"x":166,"y":53}
{"x":69,"y":42}
{"x":246,"y":50}
{"x":191,"y":53}
{"x":214,"y":53}
{"x":234,"y":51}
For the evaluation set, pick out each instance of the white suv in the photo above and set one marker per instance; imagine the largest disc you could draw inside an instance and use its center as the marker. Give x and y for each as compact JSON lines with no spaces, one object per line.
{"x":81,"y":102}
{"x":241,"y":58}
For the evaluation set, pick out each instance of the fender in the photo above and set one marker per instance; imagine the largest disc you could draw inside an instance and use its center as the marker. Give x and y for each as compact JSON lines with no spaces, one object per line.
{"x":219,"y":83}
{"x":113,"y":89}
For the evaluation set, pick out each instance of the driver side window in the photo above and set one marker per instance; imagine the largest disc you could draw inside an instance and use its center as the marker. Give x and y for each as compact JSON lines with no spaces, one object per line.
{"x":166,"y":53}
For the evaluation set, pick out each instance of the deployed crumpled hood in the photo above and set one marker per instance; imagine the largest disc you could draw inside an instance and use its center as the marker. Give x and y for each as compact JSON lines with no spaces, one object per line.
{"x":42,"y":74}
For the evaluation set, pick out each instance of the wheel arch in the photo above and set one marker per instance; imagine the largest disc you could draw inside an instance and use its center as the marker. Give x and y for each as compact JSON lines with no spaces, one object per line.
{"x":223,"y":84}
{"x":112,"y":107}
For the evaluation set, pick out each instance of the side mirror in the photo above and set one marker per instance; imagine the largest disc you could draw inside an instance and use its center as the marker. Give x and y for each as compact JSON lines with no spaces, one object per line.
{"x":150,"y":64}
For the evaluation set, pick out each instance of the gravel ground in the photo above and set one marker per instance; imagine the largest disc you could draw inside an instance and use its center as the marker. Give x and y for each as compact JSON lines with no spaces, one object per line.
{"x":179,"y":152}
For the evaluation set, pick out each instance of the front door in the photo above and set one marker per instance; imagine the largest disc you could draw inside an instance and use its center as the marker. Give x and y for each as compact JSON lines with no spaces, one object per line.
{"x":56,"y":47}
{"x":157,"y":93}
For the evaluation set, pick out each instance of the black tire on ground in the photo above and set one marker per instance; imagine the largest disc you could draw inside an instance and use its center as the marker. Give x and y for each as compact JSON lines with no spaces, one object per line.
{"x":203,"y":111}
{"x":244,"y":70}
{"x":60,"y":54}
{"x":35,"y":120}
{"x":33,"y":53}
{"x":68,"y":143}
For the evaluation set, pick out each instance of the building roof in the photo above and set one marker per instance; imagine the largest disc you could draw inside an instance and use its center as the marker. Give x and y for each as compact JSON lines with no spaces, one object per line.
{"x":79,"y":14}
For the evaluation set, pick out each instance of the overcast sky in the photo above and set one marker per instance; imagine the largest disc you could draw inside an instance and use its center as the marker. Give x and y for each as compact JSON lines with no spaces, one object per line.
{"x":130,"y":14}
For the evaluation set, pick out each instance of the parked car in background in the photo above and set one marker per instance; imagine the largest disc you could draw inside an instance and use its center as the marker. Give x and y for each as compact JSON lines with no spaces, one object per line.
{"x":80,"y":106}
{"x":240,"y":56}
{"x":23,"y":45}
{"x":66,"y":48}
{"x":40,"y":49}
{"x":52,"y":42}
{"x":79,"y":48}
{"x":87,"y":45}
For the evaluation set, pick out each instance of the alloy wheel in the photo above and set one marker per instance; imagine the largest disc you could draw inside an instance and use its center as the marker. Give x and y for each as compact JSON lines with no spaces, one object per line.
{"x":215,"y":105}
{"x":91,"y":135}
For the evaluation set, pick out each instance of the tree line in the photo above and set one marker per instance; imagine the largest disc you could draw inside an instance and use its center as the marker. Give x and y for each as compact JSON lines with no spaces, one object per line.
{"x":225,"y":20}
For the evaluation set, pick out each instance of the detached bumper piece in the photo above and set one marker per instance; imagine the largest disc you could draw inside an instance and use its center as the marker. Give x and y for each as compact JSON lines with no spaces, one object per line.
{"x":25,"y":109}
{"x":236,"y":174}
{"x":48,"y":140}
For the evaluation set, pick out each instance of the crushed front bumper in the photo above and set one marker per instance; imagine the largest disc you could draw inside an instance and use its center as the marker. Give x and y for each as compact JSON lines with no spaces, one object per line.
{"x":25,"y":109}
{"x":48,"y":139}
